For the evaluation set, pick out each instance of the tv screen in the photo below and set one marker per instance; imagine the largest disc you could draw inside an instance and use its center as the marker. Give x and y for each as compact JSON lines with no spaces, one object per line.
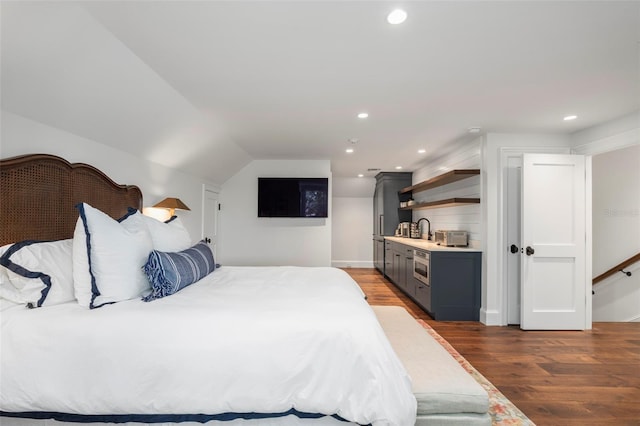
{"x":293,"y":197}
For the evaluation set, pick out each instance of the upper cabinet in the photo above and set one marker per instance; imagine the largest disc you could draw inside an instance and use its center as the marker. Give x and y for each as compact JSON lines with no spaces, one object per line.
{"x":386,"y":200}
{"x":440,"y":180}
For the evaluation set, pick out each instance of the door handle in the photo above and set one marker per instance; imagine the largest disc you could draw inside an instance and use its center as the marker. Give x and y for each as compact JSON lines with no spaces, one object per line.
{"x":207,"y":240}
{"x":514,"y":248}
{"x":529,"y":251}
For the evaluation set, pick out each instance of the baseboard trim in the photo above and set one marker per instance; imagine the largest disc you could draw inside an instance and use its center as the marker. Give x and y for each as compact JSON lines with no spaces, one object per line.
{"x":351,"y":264}
{"x":490,"y":317}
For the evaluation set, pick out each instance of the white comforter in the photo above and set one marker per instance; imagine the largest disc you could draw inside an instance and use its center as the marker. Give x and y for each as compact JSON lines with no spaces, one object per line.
{"x":242,"y":340}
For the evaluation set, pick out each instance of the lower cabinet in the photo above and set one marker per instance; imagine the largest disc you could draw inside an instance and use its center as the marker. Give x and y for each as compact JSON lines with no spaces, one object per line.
{"x":455,"y":285}
{"x":409,"y":281}
{"x":423,"y":296}
{"x":453,"y":293}
{"x":397,"y":268}
{"x":378,"y":253}
{"x":389,"y":270}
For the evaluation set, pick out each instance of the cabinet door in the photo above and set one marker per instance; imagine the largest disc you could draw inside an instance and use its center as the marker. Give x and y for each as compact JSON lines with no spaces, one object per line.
{"x":376,"y":256}
{"x":423,"y":295}
{"x":399,"y":274}
{"x":455,"y":285}
{"x":408,"y":271}
{"x":387,"y":215}
{"x":379,"y":254}
{"x":378,"y":211}
{"x":388,"y":259}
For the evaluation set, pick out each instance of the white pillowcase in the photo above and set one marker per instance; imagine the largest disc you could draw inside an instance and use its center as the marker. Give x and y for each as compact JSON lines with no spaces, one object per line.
{"x":37,"y":273}
{"x":169,"y":236}
{"x":108,"y":257}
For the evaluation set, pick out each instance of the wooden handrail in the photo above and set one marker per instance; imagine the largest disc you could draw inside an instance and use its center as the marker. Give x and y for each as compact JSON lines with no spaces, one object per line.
{"x":617,"y":268}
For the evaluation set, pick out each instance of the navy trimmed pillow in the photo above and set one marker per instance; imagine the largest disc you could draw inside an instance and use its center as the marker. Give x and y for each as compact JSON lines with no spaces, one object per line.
{"x":108,"y":257}
{"x":38,"y":273}
{"x":169,"y":273}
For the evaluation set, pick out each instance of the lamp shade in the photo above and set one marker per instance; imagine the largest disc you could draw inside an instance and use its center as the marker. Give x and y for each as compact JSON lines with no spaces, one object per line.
{"x":172,"y":204}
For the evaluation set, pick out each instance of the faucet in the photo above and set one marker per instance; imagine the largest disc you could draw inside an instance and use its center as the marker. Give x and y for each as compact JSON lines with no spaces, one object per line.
{"x":428,"y":229}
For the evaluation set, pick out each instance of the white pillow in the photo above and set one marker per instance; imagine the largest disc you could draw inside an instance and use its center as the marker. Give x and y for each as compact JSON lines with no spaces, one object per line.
{"x":3,"y":270}
{"x":108,"y":257}
{"x":37,"y":273}
{"x":170,"y":236}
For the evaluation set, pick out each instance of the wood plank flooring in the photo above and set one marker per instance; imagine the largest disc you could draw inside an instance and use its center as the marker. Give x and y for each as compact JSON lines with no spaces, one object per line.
{"x":555,"y":377}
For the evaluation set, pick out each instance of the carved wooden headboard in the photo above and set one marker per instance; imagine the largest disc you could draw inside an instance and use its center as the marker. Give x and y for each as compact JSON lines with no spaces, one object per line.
{"x":38,"y":194}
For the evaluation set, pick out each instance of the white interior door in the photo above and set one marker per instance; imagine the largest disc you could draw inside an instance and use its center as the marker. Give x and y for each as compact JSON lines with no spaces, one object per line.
{"x":553,"y":237}
{"x":210,"y":219}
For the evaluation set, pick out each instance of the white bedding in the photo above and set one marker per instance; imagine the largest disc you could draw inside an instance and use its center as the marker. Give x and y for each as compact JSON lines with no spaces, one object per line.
{"x":242,"y":340}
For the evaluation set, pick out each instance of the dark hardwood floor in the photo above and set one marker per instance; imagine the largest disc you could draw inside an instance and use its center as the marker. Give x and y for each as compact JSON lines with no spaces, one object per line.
{"x":555,"y":377}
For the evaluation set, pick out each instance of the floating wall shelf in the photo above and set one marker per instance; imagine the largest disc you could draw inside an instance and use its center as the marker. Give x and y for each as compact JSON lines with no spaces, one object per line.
{"x":443,"y":179}
{"x":451,"y":202}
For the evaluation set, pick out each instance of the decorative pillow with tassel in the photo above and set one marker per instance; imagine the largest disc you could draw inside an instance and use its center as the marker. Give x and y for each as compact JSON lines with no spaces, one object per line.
{"x":169,"y":273}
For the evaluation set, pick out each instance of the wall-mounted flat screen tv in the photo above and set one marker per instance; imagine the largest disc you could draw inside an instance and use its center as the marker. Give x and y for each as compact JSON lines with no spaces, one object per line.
{"x":293,"y":197}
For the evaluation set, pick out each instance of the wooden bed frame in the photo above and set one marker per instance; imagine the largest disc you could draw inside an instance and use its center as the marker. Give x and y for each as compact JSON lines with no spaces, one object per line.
{"x":39,"y":192}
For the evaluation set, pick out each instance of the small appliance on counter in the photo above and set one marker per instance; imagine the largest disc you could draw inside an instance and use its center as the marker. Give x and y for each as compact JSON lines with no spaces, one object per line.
{"x":452,"y":238}
{"x":415,"y":230}
{"x":405,"y":229}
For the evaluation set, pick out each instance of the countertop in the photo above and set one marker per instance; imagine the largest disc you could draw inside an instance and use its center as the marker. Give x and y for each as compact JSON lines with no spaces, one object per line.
{"x":428,"y":245}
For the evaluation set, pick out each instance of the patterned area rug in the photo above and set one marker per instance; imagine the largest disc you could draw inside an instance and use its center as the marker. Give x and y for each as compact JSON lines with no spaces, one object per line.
{"x":502,"y":411}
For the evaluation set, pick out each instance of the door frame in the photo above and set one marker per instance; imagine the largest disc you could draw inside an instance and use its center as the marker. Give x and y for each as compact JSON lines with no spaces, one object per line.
{"x":503,"y":244}
{"x":211,"y":188}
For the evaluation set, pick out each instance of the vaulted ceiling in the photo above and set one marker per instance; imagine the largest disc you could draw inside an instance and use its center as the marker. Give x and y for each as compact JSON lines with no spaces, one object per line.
{"x":207,"y":86}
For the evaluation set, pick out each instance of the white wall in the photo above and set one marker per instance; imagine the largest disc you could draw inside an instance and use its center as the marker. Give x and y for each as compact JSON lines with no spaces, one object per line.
{"x":352,"y":222}
{"x":615,"y":167}
{"x":615,"y":134}
{"x":20,"y":135}
{"x":616,"y":233}
{"x":465,"y":218}
{"x":246,"y":239}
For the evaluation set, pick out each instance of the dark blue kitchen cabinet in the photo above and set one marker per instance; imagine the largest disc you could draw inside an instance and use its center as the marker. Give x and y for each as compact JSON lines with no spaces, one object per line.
{"x":386,"y":210}
{"x":455,"y":285}
{"x":454,"y":289}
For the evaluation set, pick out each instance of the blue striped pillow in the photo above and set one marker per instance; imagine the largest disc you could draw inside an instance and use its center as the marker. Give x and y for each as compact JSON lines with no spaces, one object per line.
{"x":171,"y":272}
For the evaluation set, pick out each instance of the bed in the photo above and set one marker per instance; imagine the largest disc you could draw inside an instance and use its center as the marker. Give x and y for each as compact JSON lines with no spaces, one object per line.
{"x":241,"y":345}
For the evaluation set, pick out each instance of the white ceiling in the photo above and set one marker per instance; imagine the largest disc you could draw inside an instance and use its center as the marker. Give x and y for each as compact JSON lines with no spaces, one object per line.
{"x":206,"y":86}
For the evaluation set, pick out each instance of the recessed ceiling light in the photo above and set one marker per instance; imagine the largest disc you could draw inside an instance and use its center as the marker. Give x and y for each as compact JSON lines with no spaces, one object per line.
{"x":363,"y":115}
{"x":474,"y":129}
{"x":422,"y":151}
{"x":570,"y":117}
{"x":349,"y":150}
{"x":360,"y":175}
{"x":396,"y":17}
{"x":398,"y":167}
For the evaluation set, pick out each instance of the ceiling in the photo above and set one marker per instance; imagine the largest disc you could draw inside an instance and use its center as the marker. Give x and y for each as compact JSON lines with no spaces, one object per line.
{"x":207,"y":86}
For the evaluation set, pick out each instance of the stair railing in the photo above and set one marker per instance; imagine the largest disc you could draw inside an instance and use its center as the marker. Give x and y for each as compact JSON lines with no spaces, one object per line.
{"x":620,"y":267}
